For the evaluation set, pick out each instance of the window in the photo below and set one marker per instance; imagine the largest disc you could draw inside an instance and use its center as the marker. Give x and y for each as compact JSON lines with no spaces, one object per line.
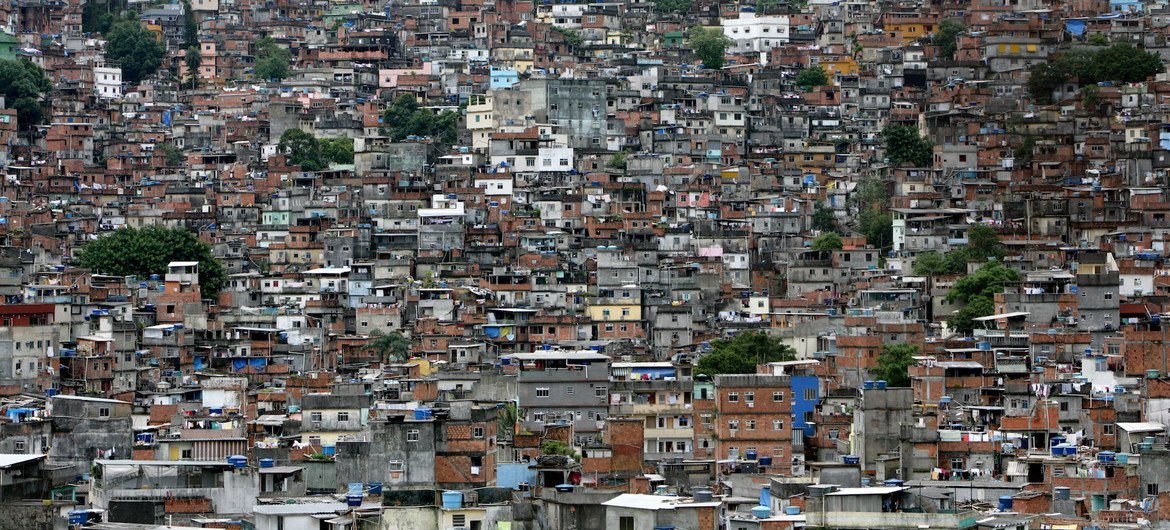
{"x":600,"y":391}
{"x":749,"y":397}
{"x":798,"y":437}
{"x":397,"y":466}
{"x":777,"y":396}
{"x":542,"y":392}
{"x":733,"y":397}
{"x":810,"y":394}
{"x":342,"y":416}
{"x":314,"y":440}
{"x":185,"y":454}
{"x":538,"y":416}
{"x":104,"y":412}
{"x":458,"y":520}
{"x":751,"y":425}
{"x":626,"y":523}
{"x":1152,"y":489}
{"x":569,"y":391}
{"x":777,"y":425}
{"x":314,"y":416}
{"x":733,"y":424}
{"x":834,"y":434}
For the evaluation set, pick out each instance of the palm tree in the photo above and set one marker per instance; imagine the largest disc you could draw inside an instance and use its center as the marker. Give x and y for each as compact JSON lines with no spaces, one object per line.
{"x":391,"y":346}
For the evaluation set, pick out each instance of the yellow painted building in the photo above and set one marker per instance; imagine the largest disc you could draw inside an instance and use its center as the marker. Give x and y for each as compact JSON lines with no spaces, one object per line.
{"x":615,"y":312}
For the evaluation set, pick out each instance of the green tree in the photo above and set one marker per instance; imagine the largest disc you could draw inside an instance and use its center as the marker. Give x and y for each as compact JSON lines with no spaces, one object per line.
{"x":302,"y":149}
{"x":877,"y":227}
{"x":709,"y":45}
{"x":271,"y":59}
{"x":509,"y":414}
{"x":947,"y":37}
{"x":978,"y":291}
{"x":905,"y":146}
{"x":812,"y":76}
{"x":193,"y":60}
{"x":893,"y":364}
{"x":390,"y":347}
{"x":985,"y":282}
{"x":741,"y":353}
{"x":963,"y":321}
{"x":134,"y":48}
{"x":337,"y":150}
{"x":618,"y":161}
{"x":828,"y":241}
{"x":172,"y":154}
{"x":148,"y":250}
{"x":672,"y":6}
{"x":1124,"y":63}
{"x":406,"y":118}
{"x":22,"y":85}
{"x":190,"y":27}
{"x":1098,"y":39}
{"x":96,"y":17}
{"x":823,"y":218}
{"x":931,"y":264}
{"x":1119,"y":62}
{"x":983,"y":243}
{"x":573,"y":38}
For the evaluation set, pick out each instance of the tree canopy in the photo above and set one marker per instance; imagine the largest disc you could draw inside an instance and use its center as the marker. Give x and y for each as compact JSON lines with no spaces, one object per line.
{"x":1119,"y":63}
{"x":982,"y":244}
{"x":871,"y":199}
{"x":22,"y":84}
{"x":709,"y":45}
{"x":823,"y":218}
{"x":271,"y":60}
{"x":672,"y":6}
{"x":827,"y":242}
{"x":392,"y":346}
{"x":812,"y":76}
{"x":947,"y":37}
{"x":406,"y":118}
{"x":148,"y":250}
{"x":977,"y":291}
{"x":905,"y":146}
{"x":135,"y":49}
{"x":311,"y":154}
{"x":741,"y":353}
{"x":893,"y":364}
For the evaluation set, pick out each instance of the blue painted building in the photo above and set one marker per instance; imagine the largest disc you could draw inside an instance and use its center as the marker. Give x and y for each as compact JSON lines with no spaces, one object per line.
{"x":504,"y":78}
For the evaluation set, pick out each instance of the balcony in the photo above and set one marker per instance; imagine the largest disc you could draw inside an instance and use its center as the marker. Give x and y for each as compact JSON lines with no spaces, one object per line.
{"x":650,"y":409}
{"x":681,"y":433}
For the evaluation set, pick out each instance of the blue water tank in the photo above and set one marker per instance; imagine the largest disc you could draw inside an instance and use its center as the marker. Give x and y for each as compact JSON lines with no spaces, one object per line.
{"x":792,"y":510}
{"x":893,"y":482}
{"x":452,"y":499}
{"x":765,"y":460}
{"x":353,"y":500}
{"x":761,"y":512}
{"x":238,"y":461}
{"x":1106,"y":456}
{"x":375,"y":488}
{"x":750,"y":454}
{"x":78,"y":516}
{"x":851,"y":459}
{"x":1005,"y":503}
{"x":868,"y":385}
{"x":266,"y":463}
{"x":328,"y":450}
{"x":881,"y":385}
{"x":423,"y":414}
